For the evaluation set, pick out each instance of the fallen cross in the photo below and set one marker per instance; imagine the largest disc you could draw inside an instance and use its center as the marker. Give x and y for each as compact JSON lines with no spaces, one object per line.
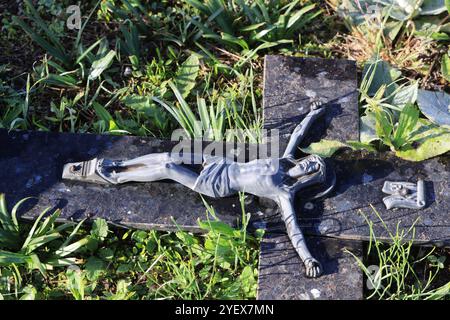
{"x":32,"y":164}
{"x":281,"y":275}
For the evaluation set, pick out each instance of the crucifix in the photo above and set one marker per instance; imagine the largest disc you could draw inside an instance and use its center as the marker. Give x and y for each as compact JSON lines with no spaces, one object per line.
{"x":278,"y":179}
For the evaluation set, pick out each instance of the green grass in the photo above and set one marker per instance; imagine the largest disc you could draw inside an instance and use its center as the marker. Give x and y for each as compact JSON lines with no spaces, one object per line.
{"x":149,"y":67}
{"x":399,"y":271}
{"x":47,"y":260}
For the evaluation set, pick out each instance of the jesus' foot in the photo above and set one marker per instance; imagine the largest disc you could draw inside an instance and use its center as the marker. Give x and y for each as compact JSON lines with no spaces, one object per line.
{"x":313,"y":268}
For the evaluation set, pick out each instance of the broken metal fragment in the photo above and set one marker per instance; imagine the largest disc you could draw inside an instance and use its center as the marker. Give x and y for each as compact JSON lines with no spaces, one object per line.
{"x":404,"y":195}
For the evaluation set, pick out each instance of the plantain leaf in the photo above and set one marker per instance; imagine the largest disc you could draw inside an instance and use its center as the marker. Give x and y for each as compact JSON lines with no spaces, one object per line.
{"x":432,"y":7}
{"x":326,"y":148}
{"x":367,"y":132}
{"x":406,"y":124}
{"x":383,"y":74}
{"x":404,"y":95}
{"x":435,"y":106}
{"x":429,"y":141}
{"x":383,"y":125}
{"x":186,"y":75}
{"x":100,"y":65}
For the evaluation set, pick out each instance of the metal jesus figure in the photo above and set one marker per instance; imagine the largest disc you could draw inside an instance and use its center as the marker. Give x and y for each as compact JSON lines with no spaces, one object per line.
{"x":277,"y":179}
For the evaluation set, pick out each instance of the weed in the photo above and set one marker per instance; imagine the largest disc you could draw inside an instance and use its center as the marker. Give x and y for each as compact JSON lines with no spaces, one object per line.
{"x":395,"y":276}
{"x":41,"y":247}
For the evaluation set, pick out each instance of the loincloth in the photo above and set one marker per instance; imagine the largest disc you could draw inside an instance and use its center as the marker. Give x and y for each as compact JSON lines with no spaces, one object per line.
{"x":214,"y":180}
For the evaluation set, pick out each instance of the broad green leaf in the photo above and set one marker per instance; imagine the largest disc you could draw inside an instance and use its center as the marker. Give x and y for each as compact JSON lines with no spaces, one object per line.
{"x":355,"y":12}
{"x":134,"y":62}
{"x":36,"y":264}
{"x":217,"y":226}
{"x":445,"y":67}
{"x":94,"y":267}
{"x":359,"y":11}
{"x":248,"y":279}
{"x":429,"y":141}
{"x":392,"y":28}
{"x":99,"y":229}
{"x":402,"y":9}
{"x":100,"y":65}
{"x":262,"y":33}
{"x":187,"y":238}
{"x":139,"y":103}
{"x":75,"y":283}
{"x":186,"y":75}
{"x":367,"y":132}
{"x":326,"y":148}
{"x":406,"y":123}
{"x":381,"y":74}
{"x":106,"y":254}
{"x":112,"y":126}
{"x":404,"y":95}
{"x":29,"y":293}
{"x":228,"y":38}
{"x":435,"y":106}
{"x":426,"y":26}
{"x":149,"y":108}
{"x":432,"y":7}
{"x":440,"y":36}
{"x":383,"y":125}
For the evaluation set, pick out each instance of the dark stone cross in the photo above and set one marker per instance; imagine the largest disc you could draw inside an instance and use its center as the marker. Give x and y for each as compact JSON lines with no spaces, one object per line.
{"x":32,"y":164}
{"x":289,"y":84}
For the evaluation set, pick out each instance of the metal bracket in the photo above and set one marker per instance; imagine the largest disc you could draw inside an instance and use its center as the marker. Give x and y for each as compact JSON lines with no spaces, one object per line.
{"x":84,"y":171}
{"x":404,"y":195}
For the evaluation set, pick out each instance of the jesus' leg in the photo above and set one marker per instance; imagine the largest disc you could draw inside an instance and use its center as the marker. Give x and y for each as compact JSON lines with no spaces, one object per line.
{"x":148,"y":168}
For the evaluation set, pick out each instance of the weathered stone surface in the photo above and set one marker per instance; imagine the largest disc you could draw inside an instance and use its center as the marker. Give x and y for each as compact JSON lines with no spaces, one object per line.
{"x":360,"y":178}
{"x":289,"y":85}
{"x":282,"y":275}
{"x":32,"y":165}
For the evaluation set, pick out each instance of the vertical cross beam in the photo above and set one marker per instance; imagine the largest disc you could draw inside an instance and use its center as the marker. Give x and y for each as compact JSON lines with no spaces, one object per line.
{"x":290,"y":84}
